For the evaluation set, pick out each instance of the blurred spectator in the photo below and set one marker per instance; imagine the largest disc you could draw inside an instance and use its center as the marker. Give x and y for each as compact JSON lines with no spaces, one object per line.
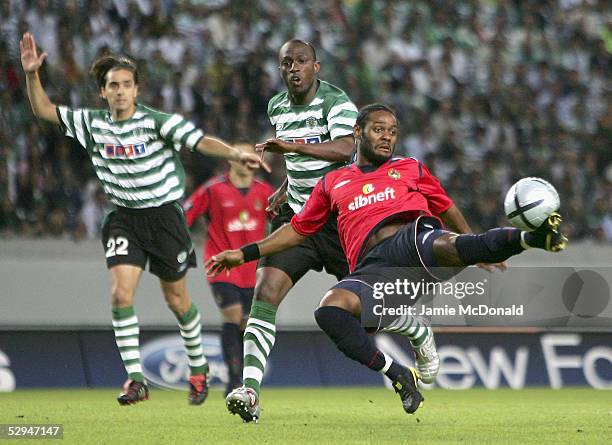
{"x":94,"y":207}
{"x":487,"y":92}
{"x":42,"y":21}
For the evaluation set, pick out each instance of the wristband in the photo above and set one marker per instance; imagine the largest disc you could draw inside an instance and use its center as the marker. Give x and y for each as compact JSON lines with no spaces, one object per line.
{"x":250,"y":252}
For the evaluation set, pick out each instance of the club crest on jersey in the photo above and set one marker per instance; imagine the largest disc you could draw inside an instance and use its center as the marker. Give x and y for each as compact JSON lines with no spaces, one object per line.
{"x":124,"y":151}
{"x":393,"y":173}
{"x":367,"y":189}
{"x":243,"y":216}
{"x":311,"y":122}
{"x":257,"y":204}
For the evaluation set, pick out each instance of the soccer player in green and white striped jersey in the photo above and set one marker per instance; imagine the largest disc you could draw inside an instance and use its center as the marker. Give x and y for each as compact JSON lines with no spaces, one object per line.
{"x":135,"y":153}
{"x":314,"y":123}
{"x":325,"y":119}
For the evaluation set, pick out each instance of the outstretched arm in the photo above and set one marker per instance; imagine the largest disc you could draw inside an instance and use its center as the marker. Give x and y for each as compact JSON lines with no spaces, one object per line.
{"x":282,"y":239}
{"x":211,"y":146}
{"x":30,"y":62}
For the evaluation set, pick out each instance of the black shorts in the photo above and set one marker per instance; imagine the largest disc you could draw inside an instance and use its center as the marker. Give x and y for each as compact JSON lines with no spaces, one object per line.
{"x":407,"y":256}
{"x":156,"y":235}
{"x":322,"y":250}
{"x":227,"y":294}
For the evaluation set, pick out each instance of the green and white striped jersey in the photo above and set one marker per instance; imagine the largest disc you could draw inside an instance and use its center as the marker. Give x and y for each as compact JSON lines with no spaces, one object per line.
{"x":329,"y":116}
{"x":137,"y":159}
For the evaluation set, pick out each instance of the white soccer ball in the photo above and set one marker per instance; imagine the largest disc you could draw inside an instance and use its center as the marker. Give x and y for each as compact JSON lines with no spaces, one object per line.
{"x":529,"y":202}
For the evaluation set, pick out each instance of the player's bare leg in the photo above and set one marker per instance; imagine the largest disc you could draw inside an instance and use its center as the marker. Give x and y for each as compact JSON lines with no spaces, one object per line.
{"x":338,"y":316}
{"x":259,"y":336}
{"x":188,"y":316}
{"x":125,"y":278}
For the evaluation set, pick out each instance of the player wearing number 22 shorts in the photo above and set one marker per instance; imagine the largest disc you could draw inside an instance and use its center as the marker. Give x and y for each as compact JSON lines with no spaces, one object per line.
{"x":134,"y":151}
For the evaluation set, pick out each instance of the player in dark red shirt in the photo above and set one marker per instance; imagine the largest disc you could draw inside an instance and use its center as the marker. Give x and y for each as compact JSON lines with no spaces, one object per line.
{"x":387,"y":211}
{"x":234,"y":205}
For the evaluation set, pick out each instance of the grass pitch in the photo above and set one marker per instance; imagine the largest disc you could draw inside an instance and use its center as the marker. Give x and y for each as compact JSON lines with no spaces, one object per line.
{"x":322,"y":416}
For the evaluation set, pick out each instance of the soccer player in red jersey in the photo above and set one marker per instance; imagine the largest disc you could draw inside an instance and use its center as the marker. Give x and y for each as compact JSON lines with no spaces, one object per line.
{"x":390,"y":213}
{"x":234,"y":205}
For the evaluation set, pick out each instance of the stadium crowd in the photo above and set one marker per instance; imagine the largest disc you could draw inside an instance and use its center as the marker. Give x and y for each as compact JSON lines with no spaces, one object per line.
{"x":486,"y":92}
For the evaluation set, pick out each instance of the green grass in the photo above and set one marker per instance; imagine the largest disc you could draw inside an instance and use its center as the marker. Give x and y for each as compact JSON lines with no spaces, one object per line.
{"x":320,"y":416}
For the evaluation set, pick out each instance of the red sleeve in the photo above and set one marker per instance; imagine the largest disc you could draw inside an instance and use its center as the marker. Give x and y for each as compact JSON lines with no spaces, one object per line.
{"x":430,"y":187}
{"x":197,"y":204}
{"x":315,"y":212}
{"x":268,"y":189}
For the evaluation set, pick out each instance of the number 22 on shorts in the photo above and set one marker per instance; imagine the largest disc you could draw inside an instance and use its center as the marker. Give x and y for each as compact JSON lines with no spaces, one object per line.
{"x":116,"y":246}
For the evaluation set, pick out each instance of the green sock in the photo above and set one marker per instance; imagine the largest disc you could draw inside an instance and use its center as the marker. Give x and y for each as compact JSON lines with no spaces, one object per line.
{"x":259,"y":337}
{"x":191,"y":328}
{"x":125,"y":324}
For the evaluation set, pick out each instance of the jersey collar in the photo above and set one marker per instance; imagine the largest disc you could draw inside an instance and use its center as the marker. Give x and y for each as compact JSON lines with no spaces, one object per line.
{"x":370,"y":168}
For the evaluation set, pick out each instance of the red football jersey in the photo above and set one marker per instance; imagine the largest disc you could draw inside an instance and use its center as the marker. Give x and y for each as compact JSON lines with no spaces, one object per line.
{"x":234,"y":219}
{"x":398,"y":189}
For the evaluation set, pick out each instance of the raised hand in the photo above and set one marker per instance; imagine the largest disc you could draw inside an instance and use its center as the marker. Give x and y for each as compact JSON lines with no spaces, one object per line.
{"x":30,"y":60}
{"x":223,"y":261}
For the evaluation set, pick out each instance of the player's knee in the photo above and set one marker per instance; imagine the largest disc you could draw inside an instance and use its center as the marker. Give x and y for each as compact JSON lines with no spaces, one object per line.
{"x":444,"y":244}
{"x":270,"y":293}
{"x":444,"y":251}
{"x":122,"y":296}
{"x":174,"y":301}
{"x":232,"y":314}
{"x":233,"y":320}
{"x":342,"y":299}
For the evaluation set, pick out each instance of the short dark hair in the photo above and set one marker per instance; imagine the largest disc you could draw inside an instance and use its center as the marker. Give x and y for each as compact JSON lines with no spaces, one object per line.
{"x":103,"y":64}
{"x":308,"y":44}
{"x":365,"y":111}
